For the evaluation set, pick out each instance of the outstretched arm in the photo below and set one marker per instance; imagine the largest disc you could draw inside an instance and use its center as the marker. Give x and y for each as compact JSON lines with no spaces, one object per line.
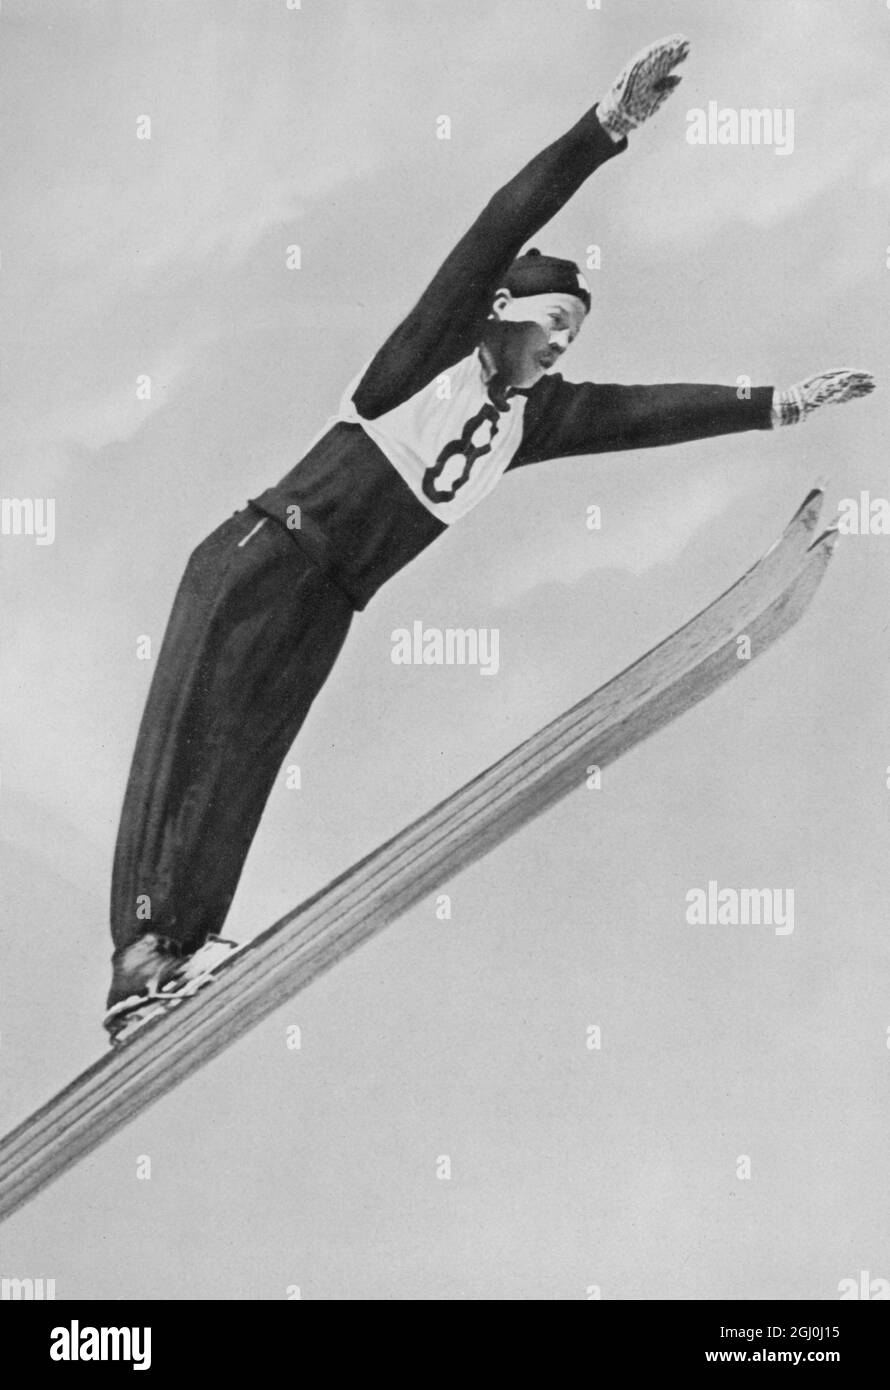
{"x":563,"y":418}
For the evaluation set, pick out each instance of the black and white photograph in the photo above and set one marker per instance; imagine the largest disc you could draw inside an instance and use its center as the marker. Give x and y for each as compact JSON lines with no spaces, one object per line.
{"x":444,"y":762}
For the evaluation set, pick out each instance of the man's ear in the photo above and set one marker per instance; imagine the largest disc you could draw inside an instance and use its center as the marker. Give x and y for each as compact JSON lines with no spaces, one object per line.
{"x":502,"y":298}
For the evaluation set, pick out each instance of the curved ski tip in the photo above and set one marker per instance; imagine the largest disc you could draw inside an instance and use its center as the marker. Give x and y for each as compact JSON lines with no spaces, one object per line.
{"x":810,"y":508}
{"x":827,"y":541}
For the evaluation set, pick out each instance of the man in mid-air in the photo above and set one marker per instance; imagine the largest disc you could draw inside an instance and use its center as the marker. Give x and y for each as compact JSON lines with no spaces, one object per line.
{"x":462,"y":392}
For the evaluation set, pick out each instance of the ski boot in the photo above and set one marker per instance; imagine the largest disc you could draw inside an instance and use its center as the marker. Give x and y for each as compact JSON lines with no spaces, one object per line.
{"x":153,"y":978}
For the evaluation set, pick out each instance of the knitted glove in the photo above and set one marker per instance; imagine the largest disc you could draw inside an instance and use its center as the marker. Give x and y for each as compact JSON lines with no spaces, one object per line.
{"x":828,"y":388}
{"x":644,"y":85}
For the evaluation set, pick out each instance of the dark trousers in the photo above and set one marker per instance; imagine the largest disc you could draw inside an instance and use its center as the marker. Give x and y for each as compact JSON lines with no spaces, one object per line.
{"x":253,"y":634}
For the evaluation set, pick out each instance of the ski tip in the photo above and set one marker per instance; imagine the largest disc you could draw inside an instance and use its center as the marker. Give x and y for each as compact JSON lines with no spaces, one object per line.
{"x":809,"y":510}
{"x":827,"y":541}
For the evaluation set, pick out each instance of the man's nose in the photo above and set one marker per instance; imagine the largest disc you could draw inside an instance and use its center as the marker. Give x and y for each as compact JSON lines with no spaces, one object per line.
{"x":559,"y":338}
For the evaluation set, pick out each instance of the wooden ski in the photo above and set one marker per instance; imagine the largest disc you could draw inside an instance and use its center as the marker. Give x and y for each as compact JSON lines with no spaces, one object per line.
{"x":683,"y":670}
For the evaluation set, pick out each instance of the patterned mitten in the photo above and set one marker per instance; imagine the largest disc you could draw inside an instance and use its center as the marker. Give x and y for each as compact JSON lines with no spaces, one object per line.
{"x":644,"y":85}
{"x":828,"y":388}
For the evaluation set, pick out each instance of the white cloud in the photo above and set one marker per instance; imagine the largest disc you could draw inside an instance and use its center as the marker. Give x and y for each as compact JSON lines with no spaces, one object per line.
{"x":635,"y":539}
{"x":120,"y":414}
{"x":814,"y":62}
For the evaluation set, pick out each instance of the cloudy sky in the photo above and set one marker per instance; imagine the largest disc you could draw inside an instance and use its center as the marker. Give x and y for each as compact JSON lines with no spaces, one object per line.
{"x":167,"y":257}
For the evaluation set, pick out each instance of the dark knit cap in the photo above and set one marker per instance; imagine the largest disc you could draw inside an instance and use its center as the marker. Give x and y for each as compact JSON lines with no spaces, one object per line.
{"x":537,"y":274}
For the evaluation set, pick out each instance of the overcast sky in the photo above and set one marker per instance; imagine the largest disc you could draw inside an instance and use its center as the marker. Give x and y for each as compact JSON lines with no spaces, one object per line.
{"x":272,"y":127}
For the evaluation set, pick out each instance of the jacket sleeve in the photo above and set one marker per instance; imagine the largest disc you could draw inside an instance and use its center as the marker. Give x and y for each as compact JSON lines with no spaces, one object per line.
{"x":564,"y":418}
{"x":446,"y":323}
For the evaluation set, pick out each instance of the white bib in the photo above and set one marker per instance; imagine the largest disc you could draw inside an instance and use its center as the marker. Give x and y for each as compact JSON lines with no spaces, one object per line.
{"x":449,"y":442}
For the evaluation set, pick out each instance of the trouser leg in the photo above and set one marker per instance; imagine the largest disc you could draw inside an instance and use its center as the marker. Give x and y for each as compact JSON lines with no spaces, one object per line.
{"x":253,"y":634}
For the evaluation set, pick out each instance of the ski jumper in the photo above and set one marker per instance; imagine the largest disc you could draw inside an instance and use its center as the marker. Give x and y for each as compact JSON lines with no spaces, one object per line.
{"x":264,"y":605}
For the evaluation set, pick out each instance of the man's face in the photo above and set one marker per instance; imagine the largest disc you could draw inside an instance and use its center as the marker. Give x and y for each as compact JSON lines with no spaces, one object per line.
{"x":539,"y":328}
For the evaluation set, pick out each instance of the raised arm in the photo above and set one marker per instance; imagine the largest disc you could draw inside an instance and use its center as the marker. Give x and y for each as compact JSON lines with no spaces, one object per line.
{"x":446,"y":323}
